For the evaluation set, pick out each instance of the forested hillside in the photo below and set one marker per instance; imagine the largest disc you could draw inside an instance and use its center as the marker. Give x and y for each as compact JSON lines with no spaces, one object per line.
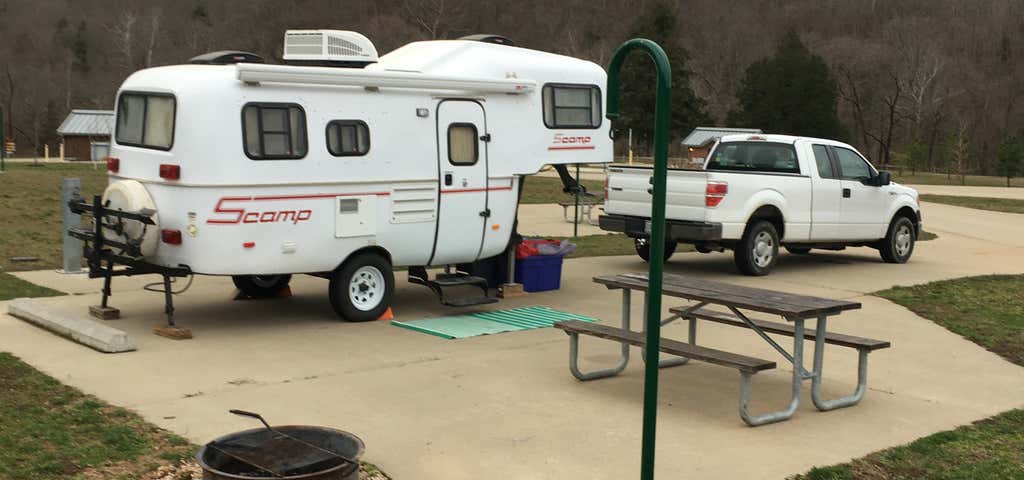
{"x":932,"y":84}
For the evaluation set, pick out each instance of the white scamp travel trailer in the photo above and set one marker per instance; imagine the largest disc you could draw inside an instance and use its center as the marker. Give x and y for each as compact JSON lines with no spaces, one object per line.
{"x":338,"y":163}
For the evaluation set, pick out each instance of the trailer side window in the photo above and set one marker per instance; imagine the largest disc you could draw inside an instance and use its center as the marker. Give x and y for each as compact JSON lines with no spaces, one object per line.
{"x":572,"y":106}
{"x":463,"y":148}
{"x":348,"y":138}
{"x":274,"y":131}
{"x":145,"y":120}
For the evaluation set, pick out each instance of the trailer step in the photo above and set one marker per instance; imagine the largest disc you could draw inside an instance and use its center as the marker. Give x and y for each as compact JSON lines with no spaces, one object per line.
{"x":444,"y":281}
{"x":468,"y":301}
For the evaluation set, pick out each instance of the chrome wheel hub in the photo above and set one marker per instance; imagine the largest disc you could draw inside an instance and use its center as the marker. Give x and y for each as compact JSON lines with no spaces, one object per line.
{"x":764,"y":249}
{"x":902,"y":240}
{"x":366,"y":289}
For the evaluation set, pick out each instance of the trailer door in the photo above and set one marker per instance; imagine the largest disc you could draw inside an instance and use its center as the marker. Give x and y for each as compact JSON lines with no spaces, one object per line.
{"x":462,"y":169}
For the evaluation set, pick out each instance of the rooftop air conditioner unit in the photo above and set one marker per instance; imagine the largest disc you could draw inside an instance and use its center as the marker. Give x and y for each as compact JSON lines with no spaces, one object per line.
{"x":334,"y":48}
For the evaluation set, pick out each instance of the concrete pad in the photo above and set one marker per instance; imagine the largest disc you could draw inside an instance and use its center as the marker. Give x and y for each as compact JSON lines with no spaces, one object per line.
{"x":546,"y":220}
{"x":505,"y":406}
{"x":79,"y":328}
{"x":963,"y":191}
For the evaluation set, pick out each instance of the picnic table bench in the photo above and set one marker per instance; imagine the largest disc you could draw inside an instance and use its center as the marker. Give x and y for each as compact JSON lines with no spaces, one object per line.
{"x":587,"y":203}
{"x":794,"y":308}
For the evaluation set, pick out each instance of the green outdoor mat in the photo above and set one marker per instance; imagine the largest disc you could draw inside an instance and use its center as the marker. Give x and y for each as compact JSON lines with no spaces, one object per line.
{"x":485,"y":323}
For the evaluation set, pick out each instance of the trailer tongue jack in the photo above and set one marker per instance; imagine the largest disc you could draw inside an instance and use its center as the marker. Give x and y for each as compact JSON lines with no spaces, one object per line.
{"x":103,"y":256}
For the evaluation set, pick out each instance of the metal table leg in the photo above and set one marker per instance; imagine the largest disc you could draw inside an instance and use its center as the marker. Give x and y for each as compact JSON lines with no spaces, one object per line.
{"x":798,"y":377}
{"x":674,"y":361}
{"x":819,"y":356}
{"x":574,"y":346}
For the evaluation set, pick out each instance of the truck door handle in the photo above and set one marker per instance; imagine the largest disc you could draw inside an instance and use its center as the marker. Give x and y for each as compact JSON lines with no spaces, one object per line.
{"x":846,"y":193}
{"x":448,"y":179}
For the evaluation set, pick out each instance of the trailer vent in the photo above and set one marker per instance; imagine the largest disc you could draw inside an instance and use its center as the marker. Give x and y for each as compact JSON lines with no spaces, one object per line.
{"x":330,"y":48}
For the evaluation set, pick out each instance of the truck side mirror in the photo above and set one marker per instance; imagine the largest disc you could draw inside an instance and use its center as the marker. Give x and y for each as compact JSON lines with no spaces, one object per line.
{"x":882,"y":179}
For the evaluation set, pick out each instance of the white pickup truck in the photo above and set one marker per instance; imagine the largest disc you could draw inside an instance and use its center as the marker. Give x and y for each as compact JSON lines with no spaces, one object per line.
{"x":757,"y":192}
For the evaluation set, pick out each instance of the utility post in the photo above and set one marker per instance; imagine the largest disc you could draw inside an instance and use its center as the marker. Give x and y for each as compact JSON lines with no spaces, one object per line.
{"x":3,"y":137}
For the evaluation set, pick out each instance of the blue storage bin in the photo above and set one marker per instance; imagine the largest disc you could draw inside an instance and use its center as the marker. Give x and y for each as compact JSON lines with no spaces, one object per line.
{"x":539,"y":273}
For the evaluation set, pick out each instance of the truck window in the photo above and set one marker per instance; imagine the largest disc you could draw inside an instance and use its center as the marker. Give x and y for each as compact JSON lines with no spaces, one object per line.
{"x":348,"y":138}
{"x":145,"y":120}
{"x":274,"y":131}
{"x":824,"y":163}
{"x":755,"y":157}
{"x":851,"y":166}
{"x":462,"y":144}
{"x":571,"y":106}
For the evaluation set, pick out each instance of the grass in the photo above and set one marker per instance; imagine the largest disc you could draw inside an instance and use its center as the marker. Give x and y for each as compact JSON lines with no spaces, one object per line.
{"x":52,"y":431}
{"x":1007,"y":205}
{"x":30,"y":210}
{"x":924,"y":178}
{"x":988,"y":310}
{"x":13,"y":287}
{"x":549,"y":190}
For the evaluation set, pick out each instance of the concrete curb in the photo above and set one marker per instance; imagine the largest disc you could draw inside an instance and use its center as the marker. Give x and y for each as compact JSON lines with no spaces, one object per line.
{"x":80,"y":329}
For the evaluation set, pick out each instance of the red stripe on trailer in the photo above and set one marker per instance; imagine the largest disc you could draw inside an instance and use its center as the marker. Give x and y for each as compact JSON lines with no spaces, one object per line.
{"x":468,"y":190}
{"x":591,"y":147}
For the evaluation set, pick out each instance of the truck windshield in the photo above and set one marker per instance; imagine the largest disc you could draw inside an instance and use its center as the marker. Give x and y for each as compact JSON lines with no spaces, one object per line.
{"x":754,"y":157}
{"x":145,"y":120}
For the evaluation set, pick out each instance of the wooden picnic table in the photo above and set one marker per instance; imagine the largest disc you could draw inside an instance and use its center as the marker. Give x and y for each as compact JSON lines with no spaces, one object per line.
{"x":792,"y":307}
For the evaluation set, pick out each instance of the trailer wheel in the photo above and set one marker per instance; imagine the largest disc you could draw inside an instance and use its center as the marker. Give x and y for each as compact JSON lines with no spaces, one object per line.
{"x":261,"y":286}
{"x":362,"y":288}
{"x":643,"y":248}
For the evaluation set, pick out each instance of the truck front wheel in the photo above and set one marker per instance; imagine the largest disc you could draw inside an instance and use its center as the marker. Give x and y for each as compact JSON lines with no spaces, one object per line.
{"x":898,"y":244}
{"x":757,"y":251}
{"x":362,"y":288}
{"x":643,"y":248}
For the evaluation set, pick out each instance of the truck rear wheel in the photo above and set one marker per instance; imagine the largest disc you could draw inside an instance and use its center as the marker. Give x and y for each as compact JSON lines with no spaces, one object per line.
{"x":898,"y":244}
{"x":758,"y":249}
{"x":362,"y":288}
{"x":261,"y":286}
{"x":643,"y":248}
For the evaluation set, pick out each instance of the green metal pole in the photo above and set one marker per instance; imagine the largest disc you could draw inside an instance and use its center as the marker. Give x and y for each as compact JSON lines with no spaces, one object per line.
{"x":576,"y":208}
{"x":657,"y":241}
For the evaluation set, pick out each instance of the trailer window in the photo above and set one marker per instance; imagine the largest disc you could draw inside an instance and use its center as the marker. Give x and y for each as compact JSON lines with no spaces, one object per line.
{"x":274,"y":131}
{"x":572,"y":106}
{"x":462,"y":144}
{"x":347,"y":138}
{"x":145,"y":120}
{"x":755,"y":157}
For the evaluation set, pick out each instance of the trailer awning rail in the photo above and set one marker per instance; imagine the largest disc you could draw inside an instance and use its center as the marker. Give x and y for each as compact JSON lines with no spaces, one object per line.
{"x":258,"y":73}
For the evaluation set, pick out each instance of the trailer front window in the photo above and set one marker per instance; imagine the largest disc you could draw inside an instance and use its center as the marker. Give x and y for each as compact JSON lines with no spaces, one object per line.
{"x":572,"y":106}
{"x":274,"y":131}
{"x":145,"y":120}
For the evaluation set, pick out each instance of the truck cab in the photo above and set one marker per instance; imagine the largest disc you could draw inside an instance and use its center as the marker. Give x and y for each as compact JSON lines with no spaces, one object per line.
{"x":756,"y":193}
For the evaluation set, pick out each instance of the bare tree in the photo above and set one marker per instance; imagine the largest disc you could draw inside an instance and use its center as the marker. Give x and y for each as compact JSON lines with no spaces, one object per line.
{"x":430,"y":17}
{"x":154,"y":31}
{"x":122,"y":36}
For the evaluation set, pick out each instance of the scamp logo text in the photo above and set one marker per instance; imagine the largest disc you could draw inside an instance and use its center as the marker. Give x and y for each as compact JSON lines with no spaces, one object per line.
{"x":231,"y":211}
{"x":570,"y":142}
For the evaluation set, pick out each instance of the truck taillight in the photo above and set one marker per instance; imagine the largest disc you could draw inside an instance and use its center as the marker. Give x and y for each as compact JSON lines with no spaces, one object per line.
{"x":715,"y":193}
{"x":171,"y":237}
{"x":113,"y":164}
{"x":170,"y":172}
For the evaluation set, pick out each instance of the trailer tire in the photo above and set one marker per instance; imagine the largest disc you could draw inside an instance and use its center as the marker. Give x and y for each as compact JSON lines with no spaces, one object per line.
{"x":643,"y":248}
{"x":261,"y":286}
{"x":361,"y":290}
{"x":757,"y":251}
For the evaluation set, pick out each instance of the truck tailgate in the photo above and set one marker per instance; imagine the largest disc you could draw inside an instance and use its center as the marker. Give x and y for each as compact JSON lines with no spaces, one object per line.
{"x":627,"y":193}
